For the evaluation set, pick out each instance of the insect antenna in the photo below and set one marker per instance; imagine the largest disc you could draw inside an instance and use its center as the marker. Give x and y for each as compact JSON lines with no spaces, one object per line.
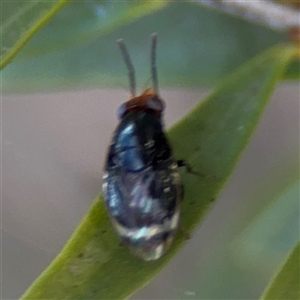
{"x":129,"y":66}
{"x":153,"y":62}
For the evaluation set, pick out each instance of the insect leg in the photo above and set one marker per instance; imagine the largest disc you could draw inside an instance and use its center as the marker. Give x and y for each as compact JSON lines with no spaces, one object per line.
{"x":189,"y":169}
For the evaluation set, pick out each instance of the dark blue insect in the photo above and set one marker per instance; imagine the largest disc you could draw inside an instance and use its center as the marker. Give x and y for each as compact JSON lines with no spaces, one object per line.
{"x":141,"y":182}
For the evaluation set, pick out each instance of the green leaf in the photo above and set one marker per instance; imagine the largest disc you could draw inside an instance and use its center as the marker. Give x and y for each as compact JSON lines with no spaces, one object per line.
{"x":293,"y":71}
{"x":93,"y":264}
{"x":286,"y":284}
{"x":81,"y":23}
{"x":20,"y":20}
{"x":280,"y":216}
{"x":259,"y":230}
{"x":197,"y":46}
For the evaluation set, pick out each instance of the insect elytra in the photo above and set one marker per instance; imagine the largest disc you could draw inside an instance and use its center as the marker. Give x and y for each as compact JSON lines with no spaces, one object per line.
{"x":141,"y":183}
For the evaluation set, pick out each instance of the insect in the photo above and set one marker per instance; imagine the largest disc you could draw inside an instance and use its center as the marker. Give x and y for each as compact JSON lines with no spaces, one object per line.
{"x":141,"y":183}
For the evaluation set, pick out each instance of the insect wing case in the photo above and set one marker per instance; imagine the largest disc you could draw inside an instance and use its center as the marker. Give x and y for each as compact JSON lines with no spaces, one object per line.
{"x":141,"y":185}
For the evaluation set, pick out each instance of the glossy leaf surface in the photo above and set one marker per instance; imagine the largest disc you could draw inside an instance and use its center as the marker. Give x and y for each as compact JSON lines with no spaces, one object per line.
{"x":197,"y":46}
{"x":211,"y":138}
{"x":250,"y":244}
{"x":19,"y":22}
{"x":293,"y":70}
{"x":286,"y":284}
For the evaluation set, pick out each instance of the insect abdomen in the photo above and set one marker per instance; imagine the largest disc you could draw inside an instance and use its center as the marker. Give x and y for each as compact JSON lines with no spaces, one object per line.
{"x":142,"y":186}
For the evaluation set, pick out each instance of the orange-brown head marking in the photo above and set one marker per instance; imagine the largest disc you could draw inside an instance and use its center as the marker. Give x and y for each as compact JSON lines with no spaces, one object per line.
{"x":148,"y":100}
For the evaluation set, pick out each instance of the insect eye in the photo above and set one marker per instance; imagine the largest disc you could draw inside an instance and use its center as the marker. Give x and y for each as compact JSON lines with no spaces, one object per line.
{"x":156,"y":104}
{"x":122,"y":110}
